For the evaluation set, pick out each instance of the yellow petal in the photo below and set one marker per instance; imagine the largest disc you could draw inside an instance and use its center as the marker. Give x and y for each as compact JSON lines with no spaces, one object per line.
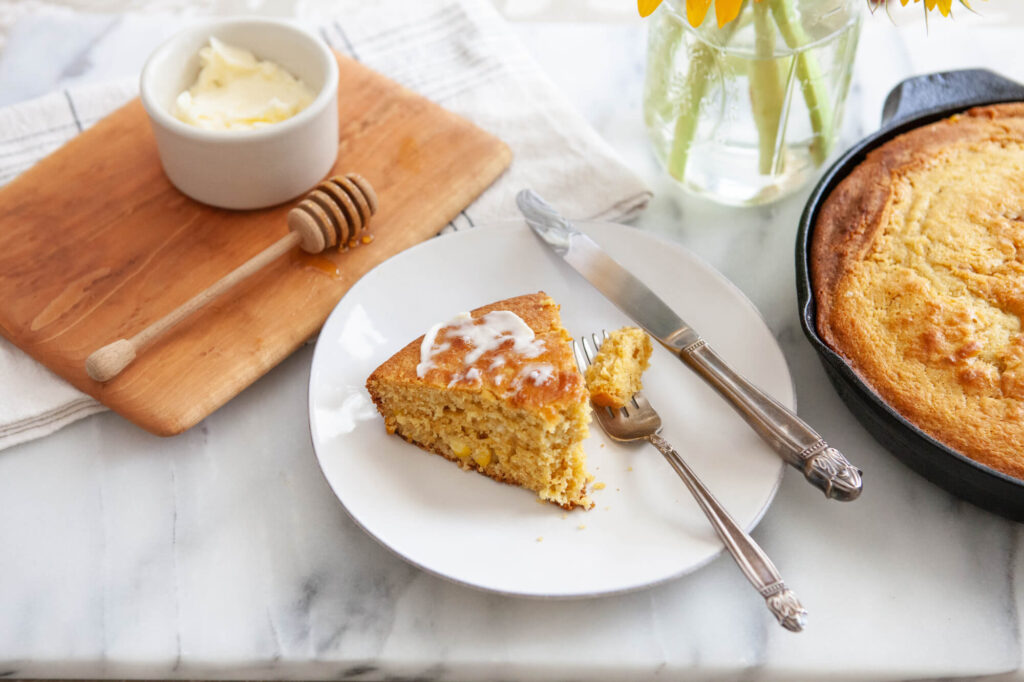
{"x":945,"y":6}
{"x":647,"y":7}
{"x":696,"y":10}
{"x":727,"y":10}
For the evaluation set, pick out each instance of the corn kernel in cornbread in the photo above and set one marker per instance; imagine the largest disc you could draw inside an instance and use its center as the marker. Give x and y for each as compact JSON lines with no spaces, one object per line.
{"x":918,"y":270}
{"x":497,"y":391}
{"x":614,"y":376}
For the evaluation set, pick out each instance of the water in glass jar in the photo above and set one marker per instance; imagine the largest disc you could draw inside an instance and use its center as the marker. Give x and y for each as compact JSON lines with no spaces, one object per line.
{"x":736,"y":113}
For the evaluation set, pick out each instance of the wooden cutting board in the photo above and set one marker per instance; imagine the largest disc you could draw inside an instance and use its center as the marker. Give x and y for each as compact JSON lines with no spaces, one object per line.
{"x":95,"y":244}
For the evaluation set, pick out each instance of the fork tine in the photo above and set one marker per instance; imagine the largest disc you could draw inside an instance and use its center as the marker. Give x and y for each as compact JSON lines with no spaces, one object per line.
{"x":636,"y":403}
{"x":630,"y":408}
{"x":581,"y":358}
{"x":589,"y":350}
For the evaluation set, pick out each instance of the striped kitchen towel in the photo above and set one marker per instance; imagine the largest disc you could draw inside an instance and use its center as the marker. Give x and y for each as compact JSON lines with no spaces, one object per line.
{"x":459,"y":53}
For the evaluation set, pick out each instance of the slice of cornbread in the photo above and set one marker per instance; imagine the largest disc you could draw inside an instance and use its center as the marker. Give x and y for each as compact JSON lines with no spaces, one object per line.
{"x":614,"y":376}
{"x":497,"y":391}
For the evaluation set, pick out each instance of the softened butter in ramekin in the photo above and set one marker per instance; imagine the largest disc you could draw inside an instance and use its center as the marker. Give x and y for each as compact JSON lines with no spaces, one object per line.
{"x":237,"y":91}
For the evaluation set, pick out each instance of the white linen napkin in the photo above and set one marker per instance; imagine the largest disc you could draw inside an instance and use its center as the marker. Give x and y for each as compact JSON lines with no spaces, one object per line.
{"x":459,"y":53}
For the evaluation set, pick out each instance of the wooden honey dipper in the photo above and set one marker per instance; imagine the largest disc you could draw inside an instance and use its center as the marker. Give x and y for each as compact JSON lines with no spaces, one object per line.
{"x":331,"y":215}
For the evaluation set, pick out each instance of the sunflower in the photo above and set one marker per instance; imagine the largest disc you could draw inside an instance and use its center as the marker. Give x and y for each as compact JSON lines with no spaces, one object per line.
{"x":945,"y":7}
{"x":727,"y":10}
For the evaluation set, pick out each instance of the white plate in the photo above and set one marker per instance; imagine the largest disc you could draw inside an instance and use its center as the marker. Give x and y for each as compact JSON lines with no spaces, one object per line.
{"x":645,"y":527}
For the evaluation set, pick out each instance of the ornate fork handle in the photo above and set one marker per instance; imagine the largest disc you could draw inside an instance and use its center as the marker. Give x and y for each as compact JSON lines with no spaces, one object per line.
{"x":754,"y":563}
{"x":797,"y":443}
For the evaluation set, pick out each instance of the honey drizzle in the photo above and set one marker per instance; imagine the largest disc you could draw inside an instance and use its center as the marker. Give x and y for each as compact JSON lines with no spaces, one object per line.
{"x":317,"y":262}
{"x":326,"y":265}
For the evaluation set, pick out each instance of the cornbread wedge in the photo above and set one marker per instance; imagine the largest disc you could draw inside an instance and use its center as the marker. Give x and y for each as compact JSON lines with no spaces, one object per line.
{"x":496,"y":391}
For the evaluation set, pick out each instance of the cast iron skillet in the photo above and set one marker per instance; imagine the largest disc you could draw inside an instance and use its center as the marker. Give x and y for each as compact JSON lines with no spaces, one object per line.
{"x":914,"y":102}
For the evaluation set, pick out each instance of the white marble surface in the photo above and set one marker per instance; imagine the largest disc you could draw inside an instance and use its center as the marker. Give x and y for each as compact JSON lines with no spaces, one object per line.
{"x":222,"y":552}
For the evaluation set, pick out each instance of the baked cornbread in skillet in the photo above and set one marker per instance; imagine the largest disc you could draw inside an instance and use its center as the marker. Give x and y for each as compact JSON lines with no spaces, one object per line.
{"x":917,"y":264}
{"x":496,"y":390}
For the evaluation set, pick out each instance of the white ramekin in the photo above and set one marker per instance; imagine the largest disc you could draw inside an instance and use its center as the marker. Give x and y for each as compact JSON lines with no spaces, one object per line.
{"x":243,"y":169}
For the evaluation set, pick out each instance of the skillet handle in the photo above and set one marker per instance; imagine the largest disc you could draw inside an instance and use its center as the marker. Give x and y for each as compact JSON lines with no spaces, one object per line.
{"x":947,"y":90}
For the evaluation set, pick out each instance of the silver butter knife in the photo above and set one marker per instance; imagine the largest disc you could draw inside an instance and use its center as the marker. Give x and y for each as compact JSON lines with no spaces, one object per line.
{"x":795,"y":441}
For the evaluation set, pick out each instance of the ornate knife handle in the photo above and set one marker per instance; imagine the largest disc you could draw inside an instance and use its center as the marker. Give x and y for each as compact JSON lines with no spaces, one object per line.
{"x":797,"y":443}
{"x":752,"y":560}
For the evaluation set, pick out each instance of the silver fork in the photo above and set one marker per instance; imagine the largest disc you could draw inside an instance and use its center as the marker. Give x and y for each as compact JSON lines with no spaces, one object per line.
{"x":639,"y":421}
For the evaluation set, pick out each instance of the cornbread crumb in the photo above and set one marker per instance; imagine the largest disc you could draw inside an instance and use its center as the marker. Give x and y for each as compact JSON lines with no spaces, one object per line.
{"x":598,"y":486}
{"x":540,"y":538}
{"x":614,"y":375}
{"x":517,"y":419}
{"x":918,"y":270}
{"x":581,"y":527}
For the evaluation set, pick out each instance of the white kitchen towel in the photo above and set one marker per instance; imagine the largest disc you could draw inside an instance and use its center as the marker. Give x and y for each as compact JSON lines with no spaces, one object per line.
{"x":458,"y":53}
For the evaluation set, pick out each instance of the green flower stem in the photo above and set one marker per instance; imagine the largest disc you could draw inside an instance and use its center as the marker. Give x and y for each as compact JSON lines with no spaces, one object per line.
{"x":808,"y":71}
{"x":702,"y":58}
{"x":766,"y":90}
{"x":661,"y":65}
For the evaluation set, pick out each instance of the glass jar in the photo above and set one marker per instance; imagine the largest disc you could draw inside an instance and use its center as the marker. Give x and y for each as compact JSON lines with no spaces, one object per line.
{"x":744,"y":114}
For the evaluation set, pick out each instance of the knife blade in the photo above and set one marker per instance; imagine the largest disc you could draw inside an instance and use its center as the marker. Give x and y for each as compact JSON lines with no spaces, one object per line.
{"x":796,"y":442}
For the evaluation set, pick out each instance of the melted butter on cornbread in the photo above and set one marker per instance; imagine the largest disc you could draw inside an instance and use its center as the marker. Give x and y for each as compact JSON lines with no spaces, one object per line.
{"x":496,"y":390}
{"x":498,"y":351}
{"x":928,"y":308}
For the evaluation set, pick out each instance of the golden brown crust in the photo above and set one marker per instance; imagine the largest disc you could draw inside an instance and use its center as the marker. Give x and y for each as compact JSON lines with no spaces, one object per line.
{"x":540,"y":312}
{"x":917,"y":266}
{"x":850,"y":218}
